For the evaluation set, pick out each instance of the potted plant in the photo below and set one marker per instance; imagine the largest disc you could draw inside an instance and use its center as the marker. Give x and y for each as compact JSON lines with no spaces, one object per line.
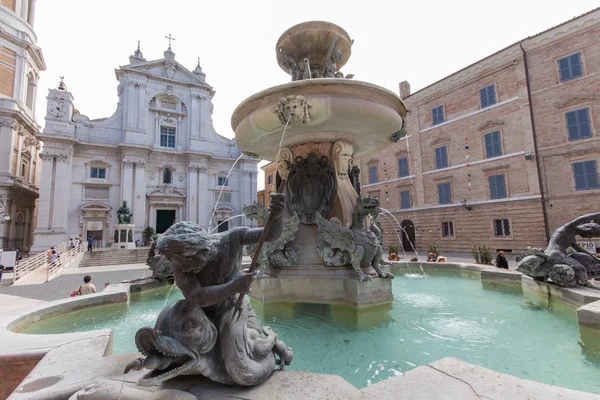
{"x":147,"y":235}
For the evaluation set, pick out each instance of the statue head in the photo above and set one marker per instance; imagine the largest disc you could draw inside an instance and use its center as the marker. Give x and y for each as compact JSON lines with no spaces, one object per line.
{"x":124,"y":203}
{"x":336,"y":55}
{"x":367,"y":206}
{"x":188,"y":245}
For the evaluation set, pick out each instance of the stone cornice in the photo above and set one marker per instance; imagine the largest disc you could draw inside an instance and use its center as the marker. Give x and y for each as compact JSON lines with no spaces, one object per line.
{"x":562,"y":31}
{"x":571,"y":101}
{"x":493,"y":123}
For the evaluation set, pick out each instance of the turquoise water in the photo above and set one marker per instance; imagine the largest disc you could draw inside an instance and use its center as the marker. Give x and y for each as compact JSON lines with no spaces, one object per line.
{"x":441,"y":315}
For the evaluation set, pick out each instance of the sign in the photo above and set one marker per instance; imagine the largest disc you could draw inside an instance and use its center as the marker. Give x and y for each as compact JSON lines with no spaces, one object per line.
{"x":589,"y":246}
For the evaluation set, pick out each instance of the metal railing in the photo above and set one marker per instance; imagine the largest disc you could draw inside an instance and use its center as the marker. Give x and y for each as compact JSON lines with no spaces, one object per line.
{"x":64,"y":259}
{"x":26,"y":266}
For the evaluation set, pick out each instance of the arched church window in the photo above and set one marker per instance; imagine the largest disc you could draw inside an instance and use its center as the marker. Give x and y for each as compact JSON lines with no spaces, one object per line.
{"x":30,"y":99}
{"x":167,"y":175}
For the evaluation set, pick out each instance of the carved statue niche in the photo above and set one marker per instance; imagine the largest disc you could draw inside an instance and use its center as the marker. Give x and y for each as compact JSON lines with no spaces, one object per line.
{"x":311,"y":187}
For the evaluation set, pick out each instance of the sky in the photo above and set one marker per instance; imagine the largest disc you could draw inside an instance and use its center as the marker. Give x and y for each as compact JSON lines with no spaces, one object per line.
{"x":419,"y":41}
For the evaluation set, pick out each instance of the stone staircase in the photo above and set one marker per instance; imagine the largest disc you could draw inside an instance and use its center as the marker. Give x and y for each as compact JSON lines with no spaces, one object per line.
{"x":101,"y":257}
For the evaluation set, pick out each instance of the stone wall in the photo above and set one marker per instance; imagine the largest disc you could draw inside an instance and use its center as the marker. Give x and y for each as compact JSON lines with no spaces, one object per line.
{"x":552,"y":99}
{"x":466,"y":123}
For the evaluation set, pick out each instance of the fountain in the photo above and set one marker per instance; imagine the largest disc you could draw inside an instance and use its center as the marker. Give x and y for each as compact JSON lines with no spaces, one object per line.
{"x":331,"y":121}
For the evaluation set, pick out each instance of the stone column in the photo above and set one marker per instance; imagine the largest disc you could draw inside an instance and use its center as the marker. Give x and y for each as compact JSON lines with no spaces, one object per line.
{"x":54,"y":204}
{"x":19,"y":152}
{"x":205,"y":198}
{"x":192,"y":193}
{"x":139,"y":200}
{"x":7,"y":126}
{"x":62,"y":193}
{"x":126,"y":181}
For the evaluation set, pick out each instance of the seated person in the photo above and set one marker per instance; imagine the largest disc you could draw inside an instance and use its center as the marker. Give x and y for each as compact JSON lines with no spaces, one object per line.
{"x":432,"y":257}
{"x":442,"y":259}
{"x":501,"y":261}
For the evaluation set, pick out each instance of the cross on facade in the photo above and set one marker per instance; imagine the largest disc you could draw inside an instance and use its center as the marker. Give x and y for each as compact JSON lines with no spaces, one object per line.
{"x":170,"y":38}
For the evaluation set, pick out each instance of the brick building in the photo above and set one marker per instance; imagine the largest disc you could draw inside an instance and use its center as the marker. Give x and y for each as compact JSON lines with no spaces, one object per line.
{"x":270,"y":172}
{"x":20,"y":64}
{"x":501,"y":152}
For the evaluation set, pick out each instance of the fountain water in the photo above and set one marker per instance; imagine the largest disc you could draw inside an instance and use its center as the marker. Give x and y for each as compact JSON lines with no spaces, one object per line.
{"x":313,"y":128}
{"x":223,"y":187}
{"x":227,"y":220}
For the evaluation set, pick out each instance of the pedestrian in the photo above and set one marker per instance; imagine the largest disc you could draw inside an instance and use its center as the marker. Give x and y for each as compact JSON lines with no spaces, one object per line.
{"x":106,"y":284}
{"x":49,"y":253}
{"x":53,"y":256}
{"x":501,"y":261}
{"x":71,"y":243}
{"x":1,"y":271}
{"x":87,"y":287}
{"x":90,"y":243}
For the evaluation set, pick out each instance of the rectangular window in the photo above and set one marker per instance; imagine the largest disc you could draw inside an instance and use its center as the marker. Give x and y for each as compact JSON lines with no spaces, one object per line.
{"x":167,"y":136}
{"x":437,"y":115}
{"x":225,"y":197}
{"x":444,"y":193}
{"x":447,"y":229}
{"x":501,"y":227}
{"x":497,"y":187}
{"x":96,"y":192}
{"x":488,"y":96}
{"x":578,"y":124}
{"x":222,"y":181}
{"x":98,"y":173}
{"x":493,"y":145}
{"x":269,"y":179}
{"x":405,"y":199}
{"x":441,"y":157}
{"x":373,"y":174}
{"x":586,"y":175}
{"x":570,"y":67}
{"x":24,"y":170}
{"x":403,"y":167}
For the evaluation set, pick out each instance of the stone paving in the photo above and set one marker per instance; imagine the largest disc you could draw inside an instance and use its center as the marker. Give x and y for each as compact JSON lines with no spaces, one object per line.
{"x":62,"y":286}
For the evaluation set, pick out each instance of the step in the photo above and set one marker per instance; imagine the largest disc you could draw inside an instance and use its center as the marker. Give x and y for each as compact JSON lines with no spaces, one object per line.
{"x":114,"y":257}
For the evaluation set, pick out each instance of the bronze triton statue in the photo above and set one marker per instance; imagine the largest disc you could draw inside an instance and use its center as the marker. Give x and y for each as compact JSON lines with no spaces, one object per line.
{"x":199,"y":335}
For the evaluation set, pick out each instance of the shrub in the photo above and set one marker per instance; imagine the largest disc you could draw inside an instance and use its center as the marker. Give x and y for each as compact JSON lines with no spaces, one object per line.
{"x":485,"y":255}
{"x":432,"y":248}
{"x":148,"y":233}
{"x":481,"y":254}
{"x":393,"y":248}
{"x":475,"y":254}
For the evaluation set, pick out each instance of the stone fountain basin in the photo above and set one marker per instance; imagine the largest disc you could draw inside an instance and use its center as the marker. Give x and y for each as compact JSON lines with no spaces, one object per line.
{"x":361,"y":113}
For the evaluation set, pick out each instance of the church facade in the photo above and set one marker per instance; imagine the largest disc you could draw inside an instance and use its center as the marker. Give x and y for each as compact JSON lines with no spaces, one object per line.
{"x":159,"y":152}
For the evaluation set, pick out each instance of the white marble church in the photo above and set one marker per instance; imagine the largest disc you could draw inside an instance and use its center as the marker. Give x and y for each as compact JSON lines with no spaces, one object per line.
{"x":159,"y":151}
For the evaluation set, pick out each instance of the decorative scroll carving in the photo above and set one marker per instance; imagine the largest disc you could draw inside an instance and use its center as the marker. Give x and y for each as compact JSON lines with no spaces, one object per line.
{"x":285,"y":160}
{"x":295,"y":108}
{"x":342,"y":154}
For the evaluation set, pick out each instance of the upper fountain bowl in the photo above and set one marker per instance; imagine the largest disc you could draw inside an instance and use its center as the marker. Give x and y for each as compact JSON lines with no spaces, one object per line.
{"x":319,"y":110}
{"x":311,"y":40}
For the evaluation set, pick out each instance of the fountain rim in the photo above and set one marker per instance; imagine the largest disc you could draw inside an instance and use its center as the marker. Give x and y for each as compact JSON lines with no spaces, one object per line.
{"x":311,"y":26}
{"x":237,"y":118}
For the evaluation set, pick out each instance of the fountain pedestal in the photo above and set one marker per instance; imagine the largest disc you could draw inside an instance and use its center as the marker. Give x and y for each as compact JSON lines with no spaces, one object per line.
{"x":315,"y":130}
{"x":123,"y":238}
